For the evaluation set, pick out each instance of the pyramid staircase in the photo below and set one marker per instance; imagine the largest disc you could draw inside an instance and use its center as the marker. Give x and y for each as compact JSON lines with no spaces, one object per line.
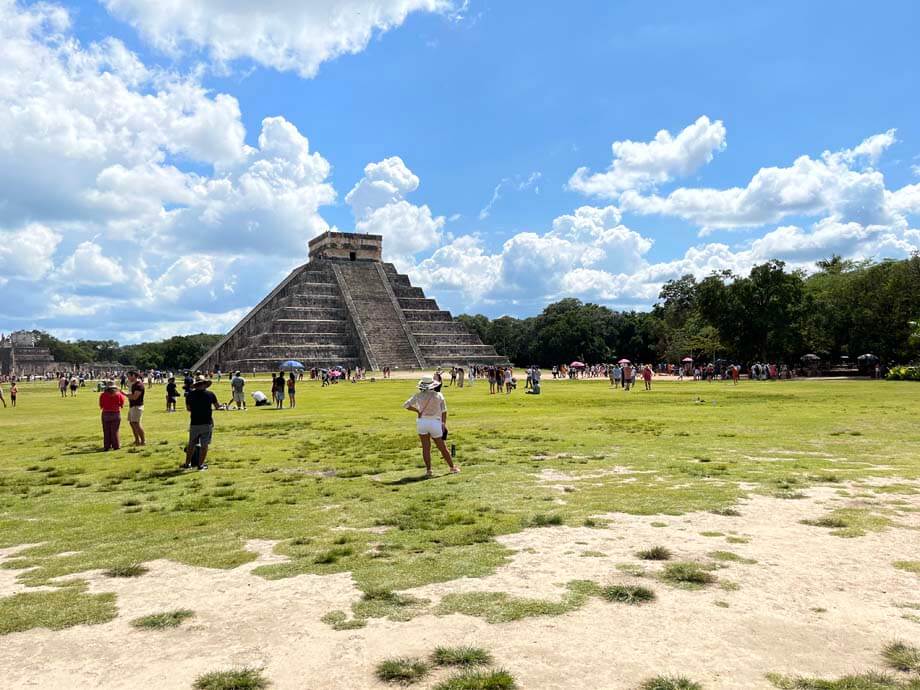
{"x":349,"y":312}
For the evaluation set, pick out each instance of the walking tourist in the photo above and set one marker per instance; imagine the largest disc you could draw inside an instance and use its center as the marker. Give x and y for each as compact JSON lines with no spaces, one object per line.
{"x":14,"y":391}
{"x":136,"y":408}
{"x":201,"y":403}
{"x":62,"y":385}
{"x":647,"y":377}
{"x":111,"y":400}
{"x":431,"y":424}
{"x":626,"y":372}
{"x":237,"y":384}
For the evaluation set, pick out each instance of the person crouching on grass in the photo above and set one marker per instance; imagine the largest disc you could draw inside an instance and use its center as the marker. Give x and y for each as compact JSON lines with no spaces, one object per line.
{"x":200,"y":402}
{"x":431,"y":425}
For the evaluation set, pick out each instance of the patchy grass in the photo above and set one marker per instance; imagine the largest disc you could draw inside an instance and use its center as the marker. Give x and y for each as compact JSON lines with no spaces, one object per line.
{"x":541,"y":520}
{"x":402,"y":670}
{"x":55,"y":610}
{"x":627,"y":594}
{"x":234,"y":679}
{"x":902,"y":656}
{"x":655,"y":553}
{"x":339,"y":620}
{"x":163,"y":621}
{"x":863,"y":681}
{"x":348,"y":457}
{"x":126,"y":570}
{"x":687,"y":574}
{"x":384,"y":603}
{"x":909,"y":566}
{"x":851,"y":522}
{"x":479,"y":680}
{"x":670,"y":683}
{"x":461,"y":656}
{"x":730,"y":557}
{"x":501,"y":607}
{"x":633,"y":569}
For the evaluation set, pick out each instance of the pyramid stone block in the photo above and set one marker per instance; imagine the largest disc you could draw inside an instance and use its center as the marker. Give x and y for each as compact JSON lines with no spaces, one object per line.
{"x":347,"y":307}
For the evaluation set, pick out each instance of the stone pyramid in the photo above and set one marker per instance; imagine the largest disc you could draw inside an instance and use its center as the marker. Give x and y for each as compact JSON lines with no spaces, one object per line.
{"x":347,"y":307}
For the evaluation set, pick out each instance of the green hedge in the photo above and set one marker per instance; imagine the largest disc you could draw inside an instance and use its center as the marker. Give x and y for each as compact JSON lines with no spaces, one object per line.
{"x":902,"y":373}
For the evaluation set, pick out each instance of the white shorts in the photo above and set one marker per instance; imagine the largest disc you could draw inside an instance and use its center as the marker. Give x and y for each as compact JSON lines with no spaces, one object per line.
{"x":429,"y":425}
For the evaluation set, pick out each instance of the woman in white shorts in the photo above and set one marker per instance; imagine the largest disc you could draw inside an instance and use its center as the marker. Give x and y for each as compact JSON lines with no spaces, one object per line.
{"x":432,"y":422}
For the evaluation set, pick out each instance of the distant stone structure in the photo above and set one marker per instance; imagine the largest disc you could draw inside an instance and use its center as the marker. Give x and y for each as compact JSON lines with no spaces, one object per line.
{"x":19,"y":356}
{"x":347,"y":307}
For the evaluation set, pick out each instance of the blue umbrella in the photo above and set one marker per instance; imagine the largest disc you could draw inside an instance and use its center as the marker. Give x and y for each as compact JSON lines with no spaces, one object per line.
{"x":292,"y":364}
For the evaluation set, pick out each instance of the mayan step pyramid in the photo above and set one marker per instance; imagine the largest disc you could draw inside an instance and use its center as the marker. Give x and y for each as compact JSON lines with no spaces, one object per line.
{"x":347,"y":307}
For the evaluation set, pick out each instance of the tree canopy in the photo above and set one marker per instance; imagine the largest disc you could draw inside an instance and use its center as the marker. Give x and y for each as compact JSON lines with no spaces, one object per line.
{"x":178,"y":352}
{"x":843,"y":308}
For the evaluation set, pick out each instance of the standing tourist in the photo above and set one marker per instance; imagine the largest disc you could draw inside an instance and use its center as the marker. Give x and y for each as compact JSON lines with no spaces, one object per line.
{"x":647,"y":377}
{"x":201,"y":403}
{"x":136,"y":407}
{"x":111,"y":400}
{"x":278,"y":390}
{"x":62,"y":385}
{"x":237,"y":384}
{"x":2,"y":399}
{"x":74,"y":384}
{"x":509,"y":381}
{"x":431,"y":424}
{"x":291,"y":386}
{"x":627,"y":373}
{"x":172,"y":393}
{"x":14,"y":391}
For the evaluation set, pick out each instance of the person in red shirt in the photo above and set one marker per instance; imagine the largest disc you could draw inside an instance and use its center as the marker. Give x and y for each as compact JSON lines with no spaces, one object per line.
{"x":111,"y":400}
{"x":647,"y":377}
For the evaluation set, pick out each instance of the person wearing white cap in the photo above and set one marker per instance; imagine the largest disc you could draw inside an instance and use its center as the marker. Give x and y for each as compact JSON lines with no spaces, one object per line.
{"x":431,"y":425}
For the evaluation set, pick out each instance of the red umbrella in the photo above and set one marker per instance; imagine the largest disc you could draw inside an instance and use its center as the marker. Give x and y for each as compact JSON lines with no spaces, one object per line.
{"x":688,"y":360}
{"x":624,"y":361}
{"x":577,"y":365}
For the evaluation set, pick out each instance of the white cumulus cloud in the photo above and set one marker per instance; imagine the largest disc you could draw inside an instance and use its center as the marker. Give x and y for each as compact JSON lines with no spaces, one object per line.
{"x":296,"y":35}
{"x":639,"y":165}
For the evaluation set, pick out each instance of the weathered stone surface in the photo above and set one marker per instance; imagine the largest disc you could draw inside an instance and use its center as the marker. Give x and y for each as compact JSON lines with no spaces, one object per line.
{"x":19,"y":356}
{"x":347,"y":307}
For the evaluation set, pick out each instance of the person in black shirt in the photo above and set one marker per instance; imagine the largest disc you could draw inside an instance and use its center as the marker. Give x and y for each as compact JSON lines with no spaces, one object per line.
{"x":278,"y":390}
{"x":200,"y":402}
{"x":187,"y":382}
{"x":171,"y":394}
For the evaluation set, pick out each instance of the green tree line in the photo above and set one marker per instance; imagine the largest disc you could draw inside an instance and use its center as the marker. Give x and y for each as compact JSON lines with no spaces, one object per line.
{"x":176,"y":353}
{"x":843,"y":308}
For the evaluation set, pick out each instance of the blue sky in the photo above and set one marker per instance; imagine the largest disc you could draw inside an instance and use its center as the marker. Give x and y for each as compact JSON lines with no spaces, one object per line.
{"x":448,"y":102}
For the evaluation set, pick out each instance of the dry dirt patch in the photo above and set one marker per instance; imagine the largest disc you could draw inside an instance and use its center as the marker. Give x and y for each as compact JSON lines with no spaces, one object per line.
{"x":812,"y":604}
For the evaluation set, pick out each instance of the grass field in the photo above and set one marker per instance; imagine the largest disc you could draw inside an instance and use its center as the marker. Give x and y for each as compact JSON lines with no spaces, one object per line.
{"x":347,"y":457}
{"x":339,"y":483}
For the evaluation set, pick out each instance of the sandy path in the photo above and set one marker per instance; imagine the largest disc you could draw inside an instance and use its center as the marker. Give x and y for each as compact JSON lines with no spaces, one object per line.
{"x":769,"y":624}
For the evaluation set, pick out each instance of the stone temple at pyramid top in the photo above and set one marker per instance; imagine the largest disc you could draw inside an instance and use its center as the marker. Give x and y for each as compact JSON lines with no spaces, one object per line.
{"x":348,"y":307}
